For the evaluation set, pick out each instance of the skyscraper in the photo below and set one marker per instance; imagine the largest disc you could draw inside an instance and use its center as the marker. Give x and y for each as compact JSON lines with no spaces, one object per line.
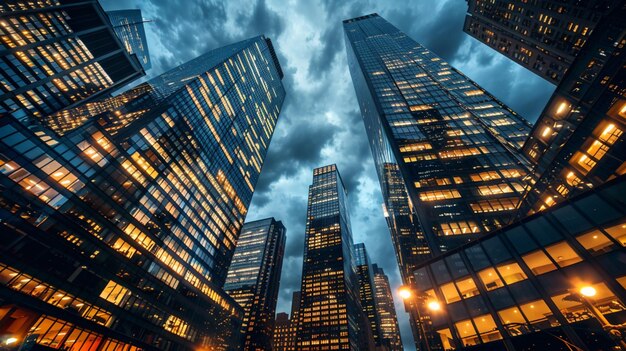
{"x":390,"y":331}
{"x":282,"y":330}
{"x":446,"y":151}
{"x":366,"y":291}
{"x":253,"y":280}
{"x":294,"y":318}
{"x":118,"y":235}
{"x":578,"y":141}
{"x":128,"y":25}
{"x":56,"y":54}
{"x":329,"y":305}
{"x":541,"y":36}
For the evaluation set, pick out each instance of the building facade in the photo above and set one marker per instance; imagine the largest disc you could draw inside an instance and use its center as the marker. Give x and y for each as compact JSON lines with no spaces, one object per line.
{"x":253,"y":280}
{"x":545,"y":282}
{"x":541,"y":36}
{"x":56,"y":54}
{"x":282,"y":331}
{"x":578,"y":141}
{"x":389,"y":328}
{"x":367,"y":293}
{"x":294,"y":318}
{"x":445,"y":150}
{"x":119,"y":235}
{"x":128,"y":25}
{"x":330,"y":313}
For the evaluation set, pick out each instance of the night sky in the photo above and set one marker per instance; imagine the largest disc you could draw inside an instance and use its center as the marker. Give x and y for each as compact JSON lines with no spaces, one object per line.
{"x":320,"y":121}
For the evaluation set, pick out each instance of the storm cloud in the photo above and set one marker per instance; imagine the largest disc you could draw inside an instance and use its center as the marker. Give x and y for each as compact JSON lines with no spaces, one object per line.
{"x":320,"y":122}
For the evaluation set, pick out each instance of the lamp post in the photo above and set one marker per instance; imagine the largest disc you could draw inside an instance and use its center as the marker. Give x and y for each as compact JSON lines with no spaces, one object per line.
{"x":409,"y":296}
{"x":584,"y":295}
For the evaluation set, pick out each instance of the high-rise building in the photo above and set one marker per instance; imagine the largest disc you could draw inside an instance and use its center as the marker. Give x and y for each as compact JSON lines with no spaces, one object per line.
{"x":128,"y":25}
{"x":446,"y":151}
{"x":119,"y":235}
{"x":578,"y":141}
{"x":295,"y":313}
{"x":329,"y":306}
{"x":548,"y":282}
{"x":366,"y":291}
{"x":389,"y":328}
{"x":56,"y":54}
{"x":253,"y":280}
{"x":541,"y":36}
{"x":282,"y":331}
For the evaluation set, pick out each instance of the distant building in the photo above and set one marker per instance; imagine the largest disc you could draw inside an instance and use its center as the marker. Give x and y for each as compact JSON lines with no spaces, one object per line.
{"x":541,"y":36}
{"x":578,"y":141}
{"x":253,"y":280}
{"x":119,"y":235}
{"x":366,"y":291}
{"x":389,"y":328}
{"x":543,"y":283}
{"x":128,"y":25}
{"x":57,"y":54}
{"x":295,"y":314}
{"x":329,"y":306}
{"x":282,"y":330}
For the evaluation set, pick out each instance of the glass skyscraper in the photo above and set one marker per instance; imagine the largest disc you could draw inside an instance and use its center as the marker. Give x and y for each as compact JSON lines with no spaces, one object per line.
{"x":56,"y":54}
{"x":541,"y":36}
{"x":330,"y":313}
{"x":389,"y":328}
{"x":446,"y":151}
{"x":367,"y":294}
{"x":578,"y":141}
{"x":253,"y":280}
{"x":128,"y":25}
{"x":119,"y":235}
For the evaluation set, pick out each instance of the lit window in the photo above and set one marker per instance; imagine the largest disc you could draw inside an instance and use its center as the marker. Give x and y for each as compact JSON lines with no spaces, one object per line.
{"x":437,"y":195}
{"x":114,"y":292}
{"x":563,"y":254}
{"x":595,"y":242}
{"x":491,"y":280}
{"x":511,"y":273}
{"x":538,"y":262}
{"x":618,"y":232}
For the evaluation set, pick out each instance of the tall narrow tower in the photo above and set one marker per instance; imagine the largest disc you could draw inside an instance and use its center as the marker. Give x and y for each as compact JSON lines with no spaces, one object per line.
{"x":446,"y":151}
{"x":253,"y":280}
{"x":329,"y":306}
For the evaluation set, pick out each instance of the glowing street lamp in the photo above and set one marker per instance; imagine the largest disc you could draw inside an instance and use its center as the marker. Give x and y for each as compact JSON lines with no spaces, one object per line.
{"x":434,"y":306}
{"x":405,"y":292}
{"x":10,"y":341}
{"x":588,"y":291}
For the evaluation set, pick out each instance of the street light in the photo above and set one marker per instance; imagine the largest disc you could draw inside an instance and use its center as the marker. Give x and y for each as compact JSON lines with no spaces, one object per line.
{"x":410,"y":295}
{"x":583,"y":296}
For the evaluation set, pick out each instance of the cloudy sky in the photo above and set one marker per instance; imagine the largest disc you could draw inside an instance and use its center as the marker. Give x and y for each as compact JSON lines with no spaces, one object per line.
{"x":320,"y":122}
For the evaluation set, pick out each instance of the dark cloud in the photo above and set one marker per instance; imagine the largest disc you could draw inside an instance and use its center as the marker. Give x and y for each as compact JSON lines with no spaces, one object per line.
{"x":320,"y":122}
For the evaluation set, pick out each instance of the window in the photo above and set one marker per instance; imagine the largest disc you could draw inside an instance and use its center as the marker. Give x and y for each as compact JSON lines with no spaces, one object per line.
{"x":446,"y":339}
{"x":618,"y":232}
{"x":114,"y":293}
{"x":490,"y":279}
{"x":595,"y":242}
{"x":494,"y":189}
{"x":467,"y":332}
{"x":605,"y":301}
{"x":467,"y":287}
{"x":511,"y":272}
{"x":436,"y":195}
{"x":510,"y":318}
{"x":538,"y":262}
{"x":537,"y":312}
{"x":487,"y":328}
{"x":450,"y":293}
{"x":456,"y":228}
{"x":563,"y":254}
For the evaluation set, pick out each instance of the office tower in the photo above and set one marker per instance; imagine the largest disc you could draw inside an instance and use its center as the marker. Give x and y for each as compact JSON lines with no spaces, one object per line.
{"x":57,"y":54}
{"x":389,"y":329}
{"x":253,"y":280}
{"x":547,"y":282}
{"x":366,"y":291}
{"x":444,"y":148}
{"x":128,"y":25}
{"x":329,"y":305}
{"x":295,"y":313}
{"x":119,"y":235}
{"x":541,"y":36}
{"x":282,"y":330}
{"x":578,"y":141}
